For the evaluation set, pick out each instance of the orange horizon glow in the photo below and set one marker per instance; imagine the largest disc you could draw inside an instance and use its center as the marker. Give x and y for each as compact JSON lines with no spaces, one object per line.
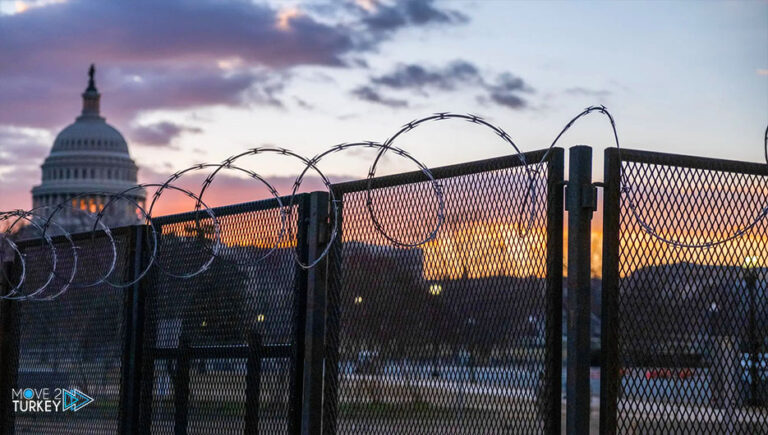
{"x":477,"y":244}
{"x":484,"y":250}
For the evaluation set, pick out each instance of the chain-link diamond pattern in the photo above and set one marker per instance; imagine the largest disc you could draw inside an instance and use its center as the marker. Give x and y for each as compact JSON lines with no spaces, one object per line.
{"x":75,"y":341}
{"x":451,"y":336}
{"x":199,"y":330}
{"x":691,"y":337}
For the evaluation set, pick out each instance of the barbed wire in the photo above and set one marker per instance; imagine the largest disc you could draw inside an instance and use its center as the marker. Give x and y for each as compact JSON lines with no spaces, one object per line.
{"x":531,"y":170}
{"x":626,"y":188}
{"x":44,"y":222}
{"x":209,"y":180}
{"x":24,"y":215}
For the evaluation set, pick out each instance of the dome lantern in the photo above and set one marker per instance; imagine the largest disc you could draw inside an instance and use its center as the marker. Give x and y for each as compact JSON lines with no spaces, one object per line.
{"x":91,"y":95}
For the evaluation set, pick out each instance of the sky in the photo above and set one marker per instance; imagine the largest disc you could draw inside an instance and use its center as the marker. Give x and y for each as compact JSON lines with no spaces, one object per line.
{"x":197,"y":81}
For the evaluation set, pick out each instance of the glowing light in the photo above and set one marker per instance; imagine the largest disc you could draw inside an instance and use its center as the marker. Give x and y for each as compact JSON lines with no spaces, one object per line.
{"x":285,"y":16}
{"x":368,"y":5}
{"x":359,"y":300}
{"x":750,"y":262}
{"x":232,"y":63}
{"x":19,"y":6}
{"x":435,"y":289}
{"x":483,"y":249}
{"x":260,"y":318}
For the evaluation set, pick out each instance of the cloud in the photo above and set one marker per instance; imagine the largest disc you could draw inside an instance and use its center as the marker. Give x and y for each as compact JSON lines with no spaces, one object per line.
{"x":124,"y":93}
{"x":154,"y":55}
{"x":173,"y":55}
{"x":386,"y":18}
{"x":160,"y":133}
{"x":20,"y":146}
{"x":166,"y":32}
{"x":509,"y":100}
{"x":369,"y":94}
{"x":588,"y":92}
{"x":177,"y":54}
{"x":418,"y":77}
{"x":304,"y":104}
{"x":226,"y":189}
{"x":267,"y":89}
{"x":505,"y":90}
{"x":21,"y":153}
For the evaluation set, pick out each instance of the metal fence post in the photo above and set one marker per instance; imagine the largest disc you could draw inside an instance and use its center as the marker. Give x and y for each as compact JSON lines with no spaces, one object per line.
{"x":9,"y":355}
{"x":313,"y":219}
{"x":609,"y":372}
{"x":580,"y":203}
{"x":181,"y":387}
{"x":554,"y":318}
{"x":253,"y":384}
{"x":130,"y":388}
{"x":147,"y":380}
{"x":333,"y":321}
{"x":296,"y":396}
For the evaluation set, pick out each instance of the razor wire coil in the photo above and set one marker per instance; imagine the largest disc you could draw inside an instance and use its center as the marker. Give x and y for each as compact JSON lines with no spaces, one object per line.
{"x":532,"y":170}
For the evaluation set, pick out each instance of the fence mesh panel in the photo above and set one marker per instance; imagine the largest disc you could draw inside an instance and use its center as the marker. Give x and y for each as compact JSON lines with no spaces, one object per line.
{"x":74,"y":342}
{"x":454,"y":336}
{"x":690,"y":324}
{"x":217,"y":311}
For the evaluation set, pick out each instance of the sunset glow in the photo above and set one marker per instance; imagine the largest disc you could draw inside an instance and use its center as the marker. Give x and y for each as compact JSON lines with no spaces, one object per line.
{"x":284,"y":17}
{"x":384,"y":216}
{"x":482,"y":250}
{"x":368,"y":5}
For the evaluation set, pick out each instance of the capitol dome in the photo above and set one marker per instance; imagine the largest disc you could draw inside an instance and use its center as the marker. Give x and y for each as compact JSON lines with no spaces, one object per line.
{"x":90,"y":160}
{"x":90,"y":134}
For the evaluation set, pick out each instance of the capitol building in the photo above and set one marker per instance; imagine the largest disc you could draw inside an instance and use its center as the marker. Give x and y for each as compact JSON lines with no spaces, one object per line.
{"x":88,"y":162}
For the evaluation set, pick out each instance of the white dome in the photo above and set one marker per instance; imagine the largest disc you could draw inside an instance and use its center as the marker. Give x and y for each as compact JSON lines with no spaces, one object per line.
{"x":89,"y":160}
{"x":90,"y":133}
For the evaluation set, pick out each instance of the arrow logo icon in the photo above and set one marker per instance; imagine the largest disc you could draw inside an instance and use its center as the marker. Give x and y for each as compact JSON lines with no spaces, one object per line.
{"x":74,"y":400}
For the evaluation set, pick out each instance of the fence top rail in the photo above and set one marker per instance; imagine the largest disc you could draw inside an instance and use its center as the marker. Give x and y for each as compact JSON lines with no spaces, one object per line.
{"x":227,"y":210}
{"x":76,"y":237}
{"x":457,"y":170}
{"x":687,"y":161}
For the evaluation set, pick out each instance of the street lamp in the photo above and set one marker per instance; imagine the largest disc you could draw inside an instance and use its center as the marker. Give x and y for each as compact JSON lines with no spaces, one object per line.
{"x":750,"y":279}
{"x":435,"y":290}
{"x":533,"y":330}
{"x":713,"y":312}
{"x":471,"y":322}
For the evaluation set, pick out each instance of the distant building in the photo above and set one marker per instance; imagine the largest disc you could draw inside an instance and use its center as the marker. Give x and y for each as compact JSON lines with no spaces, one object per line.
{"x":89,"y":160}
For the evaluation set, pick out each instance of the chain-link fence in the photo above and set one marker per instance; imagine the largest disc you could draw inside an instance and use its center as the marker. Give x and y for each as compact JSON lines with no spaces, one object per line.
{"x":684,"y":329}
{"x":220,"y":352}
{"x":75,"y":343}
{"x":220,"y":348}
{"x":463,"y":333}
